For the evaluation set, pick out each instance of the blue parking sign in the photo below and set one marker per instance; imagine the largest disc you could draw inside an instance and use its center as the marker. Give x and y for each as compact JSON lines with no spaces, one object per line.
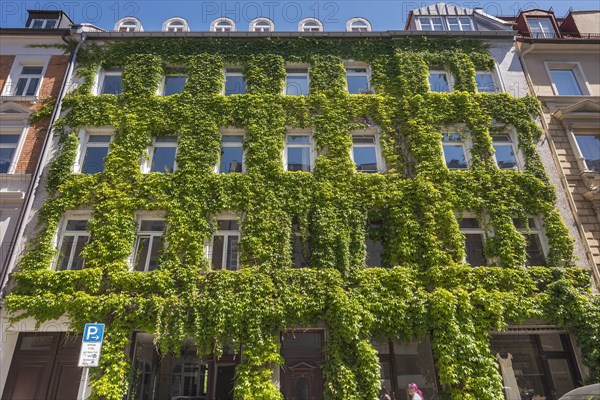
{"x":93,"y":333}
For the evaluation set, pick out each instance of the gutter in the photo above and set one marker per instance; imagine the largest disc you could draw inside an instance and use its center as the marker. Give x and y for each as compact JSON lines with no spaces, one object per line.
{"x":37,"y":176}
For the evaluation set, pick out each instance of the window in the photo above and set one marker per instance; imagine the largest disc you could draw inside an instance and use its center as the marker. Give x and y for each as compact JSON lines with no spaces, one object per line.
{"x":28,"y":81}
{"x":439,"y":81}
{"x":42,"y":23}
{"x":298,"y":152}
{"x":431,"y":23}
{"x":505,"y":152}
{"x":474,"y":241}
{"x":110,"y":82}
{"x":234,"y":82}
{"x":460,"y":23}
{"x":222,"y":25}
{"x":162,"y":155}
{"x":71,"y":242}
{"x":232,"y":154}
{"x":374,"y":245}
{"x":296,"y":82}
{"x":149,"y":244}
{"x":357,"y":80}
{"x":175,"y":25}
{"x":454,"y":151}
{"x":300,"y":248}
{"x":128,"y":24}
{"x":262,"y":25}
{"x":541,"y":27}
{"x":565,"y":82}
{"x":310,"y":25}
{"x":224,"y":250}
{"x":93,"y":152}
{"x":174,"y":84}
{"x":9,"y":142}
{"x":589,"y":146}
{"x":532,"y":234}
{"x":485,"y":82}
{"x":358,"y":25}
{"x":365,"y":153}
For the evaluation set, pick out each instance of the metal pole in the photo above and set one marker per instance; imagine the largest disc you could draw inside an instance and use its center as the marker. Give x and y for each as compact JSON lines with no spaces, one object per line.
{"x":85,"y":380}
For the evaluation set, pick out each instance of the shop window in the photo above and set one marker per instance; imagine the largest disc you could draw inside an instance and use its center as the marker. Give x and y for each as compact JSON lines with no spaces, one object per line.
{"x":72,"y":240}
{"x":149,"y":244}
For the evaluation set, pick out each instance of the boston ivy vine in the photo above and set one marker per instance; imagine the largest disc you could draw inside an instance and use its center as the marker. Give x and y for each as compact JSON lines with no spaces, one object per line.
{"x":422,"y":289}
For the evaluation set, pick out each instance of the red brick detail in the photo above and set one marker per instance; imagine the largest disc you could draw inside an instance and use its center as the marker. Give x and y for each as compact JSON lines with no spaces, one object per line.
{"x":6,"y":62}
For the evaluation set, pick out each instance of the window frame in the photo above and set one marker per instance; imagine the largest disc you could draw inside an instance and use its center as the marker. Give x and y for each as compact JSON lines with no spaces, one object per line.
{"x":449,"y":79}
{"x":297,"y":73}
{"x":62,"y":231}
{"x":542,"y":34}
{"x":147,"y":216}
{"x":420,"y":23}
{"x":44,"y":23}
{"x":366,"y":74}
{"x":495,"y":81}
{"x":147,"y":164}
{"x":381,"y":167}
{"x":311,"y":145}
{"x":579,"y":156}
{"x":575,"y":67}
{"x":538,"y":230}
{"x":481,"y":230}
{"x":366,"y":24}
{"x":16,"y":129}
{"x":260,"y":20}
{"x":167,"y":25}
{"x":233,"y":71}
{"x":465,"y":142}
{"x":84,"y":137}
{"x":21,"y":61}
{"x":231,"y":132}
{"x":214,"y":25}
{"x":163,"y":85}
{"x":209,"y":245}
{"x":100,"y":77}
{"x":514,"y":143}
{"x":316,"y":21}
{"x":125,"y":23}
{"x":459,"y":19}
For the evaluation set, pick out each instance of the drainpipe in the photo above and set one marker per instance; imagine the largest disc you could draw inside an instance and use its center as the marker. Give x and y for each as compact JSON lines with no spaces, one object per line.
{"x":563,"y":178}
{"x":37,"y":176}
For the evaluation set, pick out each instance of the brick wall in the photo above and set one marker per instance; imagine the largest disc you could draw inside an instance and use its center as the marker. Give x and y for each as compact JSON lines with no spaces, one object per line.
{"x":6,"y":63}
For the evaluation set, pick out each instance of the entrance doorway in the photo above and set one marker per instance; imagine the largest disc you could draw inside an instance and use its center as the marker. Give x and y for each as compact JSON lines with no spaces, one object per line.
{"x":301,"y":374}
{"x":44,"y":367}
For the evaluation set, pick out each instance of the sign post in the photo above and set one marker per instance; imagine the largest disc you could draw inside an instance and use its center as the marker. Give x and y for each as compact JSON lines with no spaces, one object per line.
{"x":91,"y":344}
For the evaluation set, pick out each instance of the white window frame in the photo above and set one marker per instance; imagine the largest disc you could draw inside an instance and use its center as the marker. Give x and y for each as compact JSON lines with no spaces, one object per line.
{"x":449,"y":78}
{"x":146,"y":216}
{"x":495,"y":80}
{"x":580,"y":77}
{"x":20,"y":128}
{"x":10,"y":86}
{"x":231,"y":132}
{"x":312,"y":146}
{"x":367,"y":74}
{"x":381,"y":167}
{"x":163,"y":84}
{"x":84,"y":136}
{"x":208,"y":245}
{"x":482,"y":230}
{"x":124,"y":23}
{"x":261,"y":20}
{"x":466,"y":143}
{"x":215,"y":25}
{"x":541,"y":34}
{"x":100,"y":75}
{"x":62,"y":231}
{"x":461,"y":26}
{"x":316,"y":21}
{"x":294,"y":68}
{"x":514,"y":143}
{"x":44,"y":23}
{"x":366,"y":25}
{"x":581,"y":163}
{"x":147,"y":164}
{"x":536,"y":230}
{"x":168,"y":25}
{"x":420,"y":23}
{"x":232,"y":71}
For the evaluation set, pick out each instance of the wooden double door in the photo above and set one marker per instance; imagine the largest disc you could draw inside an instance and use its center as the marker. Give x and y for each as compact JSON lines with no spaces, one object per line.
{"x":44,"y":367}
{"x":302,"y":372}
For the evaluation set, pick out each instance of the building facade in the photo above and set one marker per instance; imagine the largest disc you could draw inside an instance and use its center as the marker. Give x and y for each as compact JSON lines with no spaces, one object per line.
{"x":303,"y":215}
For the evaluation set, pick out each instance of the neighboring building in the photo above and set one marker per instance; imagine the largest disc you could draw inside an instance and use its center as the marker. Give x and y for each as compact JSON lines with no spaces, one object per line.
{"x":249,"y":214}
{"x":560,"y":56}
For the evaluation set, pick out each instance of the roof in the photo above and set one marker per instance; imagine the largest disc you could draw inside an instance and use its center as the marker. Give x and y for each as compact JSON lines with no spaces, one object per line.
{"x":443,"y":9}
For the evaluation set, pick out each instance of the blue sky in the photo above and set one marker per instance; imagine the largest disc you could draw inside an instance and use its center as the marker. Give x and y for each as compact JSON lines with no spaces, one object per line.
{"x":384,"y":15}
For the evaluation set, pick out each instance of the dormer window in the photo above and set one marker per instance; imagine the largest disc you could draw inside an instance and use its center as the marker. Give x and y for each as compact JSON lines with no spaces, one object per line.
{"x":460,"y":23}
{"x":358,"y":25}
{"x":262,"y":25}
{"x":431,"y":23}
{"x":222,"y":25}
{"x":129,"y":24}
{"x":541,"y":27}
{"x":176,"y":25}
{"x":43,"y":24}
{"x":310,"y":25}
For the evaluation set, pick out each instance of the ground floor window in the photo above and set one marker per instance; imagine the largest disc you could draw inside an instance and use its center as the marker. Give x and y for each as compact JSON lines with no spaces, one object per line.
{"x":535,"y":366}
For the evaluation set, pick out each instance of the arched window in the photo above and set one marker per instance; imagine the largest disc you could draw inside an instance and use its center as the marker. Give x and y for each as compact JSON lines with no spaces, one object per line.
{"x":262,"y":25}
{"x":358,"y":25}
{"x":310,"y":25}
{"x":176,"y":25}
{"x":129,"y":24}
{"x":222,"y":25}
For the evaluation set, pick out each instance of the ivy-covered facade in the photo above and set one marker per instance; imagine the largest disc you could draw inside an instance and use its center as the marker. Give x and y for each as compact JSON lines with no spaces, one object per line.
{"x":254,"y":308}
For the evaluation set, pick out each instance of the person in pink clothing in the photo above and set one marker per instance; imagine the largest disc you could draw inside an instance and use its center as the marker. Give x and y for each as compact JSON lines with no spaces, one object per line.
{"x":414,"y":392}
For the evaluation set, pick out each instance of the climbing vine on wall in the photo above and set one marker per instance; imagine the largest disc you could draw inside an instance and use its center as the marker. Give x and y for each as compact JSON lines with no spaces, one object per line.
{"x":422,"y":288}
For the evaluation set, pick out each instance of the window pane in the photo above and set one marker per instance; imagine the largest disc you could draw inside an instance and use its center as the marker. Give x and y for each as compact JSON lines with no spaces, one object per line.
{"x":374,"y":253}
{"x":217,"y":252}
{"x":232,"y":253}
{"x":6,"y":159}
{"x":231,"y":159}
{"x":152,"y":225}
{"x":485,"y":82}
{"x":93,"y":161}
{"x":234,"y":84}
{"x":20,"y":89}
{"x":112,"y":85}
{"x":438,"y":82}
{"x":296,"y":85}
{"x":155,"y":253}
{"x":365,"y":159}
{"x":505,"y":156}
{"x":228,"y":225}
{"x":77,"y":259}
{"x":163,"y":159}
{"x":535,"y":255}
{"x":357,"y":84}
{"x":37,"y":23}
{"x":474,"y":249}
{"x":142,"y":253}
{"x":77,"y":225}
{"x":32,"y":71}
{"x":566,"y":82}
{"x":232,"y":139}
{"x":590,"y":148}
{"x":299,"y":260}
{"x":99,"y":139}
{"x":225,"y":381}
{"x":469,"y":223}
{"x":455,"y":156}
{"x":174,"y":84}
{"x":64,"y":254}
{"x":298,"y":159}
{"x":298,"y":139}
{"x":414,"y":364}
{"x":32,"y":87}
{"x":51,"y":23}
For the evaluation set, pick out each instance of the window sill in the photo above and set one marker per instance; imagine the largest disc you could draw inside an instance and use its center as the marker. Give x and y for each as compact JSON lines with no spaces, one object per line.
{"x":31,"y":99}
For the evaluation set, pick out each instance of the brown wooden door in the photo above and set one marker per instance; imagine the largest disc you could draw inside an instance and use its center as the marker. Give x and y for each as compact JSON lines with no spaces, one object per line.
{"x":301,"y":374}
{"x":44,"y":367}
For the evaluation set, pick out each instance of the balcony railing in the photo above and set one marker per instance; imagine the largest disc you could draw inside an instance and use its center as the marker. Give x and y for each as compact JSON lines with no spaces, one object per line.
{"x":561,"y":35}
